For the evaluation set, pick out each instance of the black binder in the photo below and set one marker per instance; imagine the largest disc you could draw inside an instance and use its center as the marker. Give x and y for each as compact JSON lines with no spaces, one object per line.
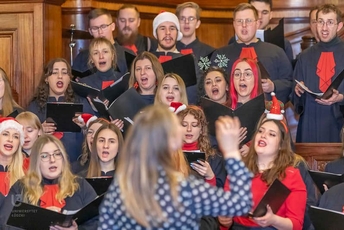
{"x":330,"y":179}
{"x":184,"y":66}
{"x":62,"y":113}
{"x":32,"y":217}
{"x":248,"y":114}
{"x":100,"y":184}
{"x":274,"y":197}
{"x":192,"y":156}
{"x":325,"y":219}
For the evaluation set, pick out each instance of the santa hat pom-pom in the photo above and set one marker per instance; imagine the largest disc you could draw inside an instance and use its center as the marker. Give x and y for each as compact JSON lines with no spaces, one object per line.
{"x":87,"y":118}
{"x":176,"y":107}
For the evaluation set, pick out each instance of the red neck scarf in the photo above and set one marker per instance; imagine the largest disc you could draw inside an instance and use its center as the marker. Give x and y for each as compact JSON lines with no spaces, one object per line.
{"x":132,"y":48}
{"x":190,"y":146}
{"x":248,"y":52}
{"x":5,"y":183}
{"x":325,"y":70}
{"x":48,"y":199}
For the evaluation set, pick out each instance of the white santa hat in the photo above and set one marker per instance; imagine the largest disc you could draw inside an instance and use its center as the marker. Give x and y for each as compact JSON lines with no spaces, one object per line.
{"x":166,"y":17}
{"x":87,"y":118}
{"x":11,"y":123}
{"x":275,"y":113}
{"x":176,"y":107}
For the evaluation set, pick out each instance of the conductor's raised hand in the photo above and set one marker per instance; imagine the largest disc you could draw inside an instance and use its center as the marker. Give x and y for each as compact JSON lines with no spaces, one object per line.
{"x":227,"y":135}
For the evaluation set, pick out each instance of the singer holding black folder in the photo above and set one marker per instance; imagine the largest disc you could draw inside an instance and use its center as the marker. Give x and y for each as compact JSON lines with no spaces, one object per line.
{"x":196,"y":138}
{"x":317,"y":67}
{"x":50,"y":184}
{"x":55,"y":87}
{"x":145,"y":75}
{"x":146,"y":172}
{"x":270,"y":157}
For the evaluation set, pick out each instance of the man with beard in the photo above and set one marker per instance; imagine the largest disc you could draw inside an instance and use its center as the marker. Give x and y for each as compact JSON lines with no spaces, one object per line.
{"x":101,"y":25}
{"x":166,"y":30}
{"x":272,"y":57}
{"x":317,"y":67}
{"x":128,"y":22}
{"x":189,"y":19}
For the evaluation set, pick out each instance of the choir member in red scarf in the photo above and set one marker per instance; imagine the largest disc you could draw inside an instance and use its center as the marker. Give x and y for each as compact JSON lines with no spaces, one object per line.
{"x":50,"y":184}
{"x":196,"y":139}
{"x":12,"y":160}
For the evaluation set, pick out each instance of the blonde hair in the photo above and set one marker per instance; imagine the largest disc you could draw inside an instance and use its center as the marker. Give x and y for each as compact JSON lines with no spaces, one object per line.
{"x":15,"y":168}
{"x":147,"y":151}
{"x":8,"y":103}
{"x":30,"y":118}
{"x":94,"y":169}
{"x":99,"y":41}
{"x":33,"y":188}
{"x":182,"y":89}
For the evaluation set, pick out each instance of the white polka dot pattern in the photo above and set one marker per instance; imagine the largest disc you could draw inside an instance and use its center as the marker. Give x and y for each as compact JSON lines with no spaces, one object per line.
{"x":196,"y":197}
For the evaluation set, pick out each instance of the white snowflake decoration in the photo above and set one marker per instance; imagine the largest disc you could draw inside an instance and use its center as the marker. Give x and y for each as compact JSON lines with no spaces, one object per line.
{"x":222,"y":60}
{"x":204,"y":63}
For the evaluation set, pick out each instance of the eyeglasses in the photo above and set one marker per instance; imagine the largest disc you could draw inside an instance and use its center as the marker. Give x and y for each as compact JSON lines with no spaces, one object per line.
{"x":329,"y":23}
{"x":247,"y":21}
{"x":46,"y":156}
{"x":95,"y":29}
{"x":247,"y":75}
{"x":189,"y":19}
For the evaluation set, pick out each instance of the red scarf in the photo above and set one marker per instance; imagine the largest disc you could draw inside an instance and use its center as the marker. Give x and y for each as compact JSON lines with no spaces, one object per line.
{"x":48,"y":199}
{"x":5,"y":183}
{"x":190,"y":146}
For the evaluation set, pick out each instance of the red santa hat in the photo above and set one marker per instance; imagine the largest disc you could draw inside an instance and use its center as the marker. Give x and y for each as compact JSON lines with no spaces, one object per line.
{"x":275,"y":112}
{"x":87,"y":118}
{"x":166,"y":17}
{"x":11,"y":123}
{"x":176,"y":107}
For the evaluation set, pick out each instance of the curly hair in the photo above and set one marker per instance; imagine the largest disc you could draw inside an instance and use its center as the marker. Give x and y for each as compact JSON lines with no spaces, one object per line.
{"x":203,"y":139}
{"x":42,"y":91}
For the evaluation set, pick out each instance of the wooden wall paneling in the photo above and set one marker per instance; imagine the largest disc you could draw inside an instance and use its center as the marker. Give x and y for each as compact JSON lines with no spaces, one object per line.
{"x":318,"y":154}
{"x":31,"y":32}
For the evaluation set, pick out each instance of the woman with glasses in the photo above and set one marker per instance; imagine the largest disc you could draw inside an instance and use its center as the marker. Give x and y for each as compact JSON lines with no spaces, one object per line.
{"x":50,"y":184}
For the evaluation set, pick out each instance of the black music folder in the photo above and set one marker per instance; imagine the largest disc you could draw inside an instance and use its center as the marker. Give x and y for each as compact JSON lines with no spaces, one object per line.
{"x":193,"y":156}
{"x":184,"y":66}
{"x":127,"y":105}
{"x":329,"y":91}
{"x":32,"y":217}
{"x":77,"y":74}
{"x":129,"y":58}
{"x":62,"y":114}
{"x":325,"y":219}
{"x":263,"y":72}
{"x":274,"y":197}
{"x":248,"y":114}
{"x":329,"y":179}
{"x":110,"y":93}
{"x":14,"y":114}
{"x":100,"y":184}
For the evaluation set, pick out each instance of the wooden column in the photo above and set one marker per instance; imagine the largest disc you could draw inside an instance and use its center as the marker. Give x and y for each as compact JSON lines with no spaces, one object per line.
{"x":30,"y":35}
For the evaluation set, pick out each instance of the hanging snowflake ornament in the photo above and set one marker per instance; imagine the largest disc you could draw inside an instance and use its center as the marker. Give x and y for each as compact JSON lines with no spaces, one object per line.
{"x":221,"y":60}
{"x":204,"y":63}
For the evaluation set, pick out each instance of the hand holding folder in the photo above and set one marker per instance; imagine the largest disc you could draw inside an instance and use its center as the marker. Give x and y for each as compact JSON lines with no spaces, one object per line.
{"x":62,"y":114}
{"x":325,"y":178}
{"x":32,"y":217}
